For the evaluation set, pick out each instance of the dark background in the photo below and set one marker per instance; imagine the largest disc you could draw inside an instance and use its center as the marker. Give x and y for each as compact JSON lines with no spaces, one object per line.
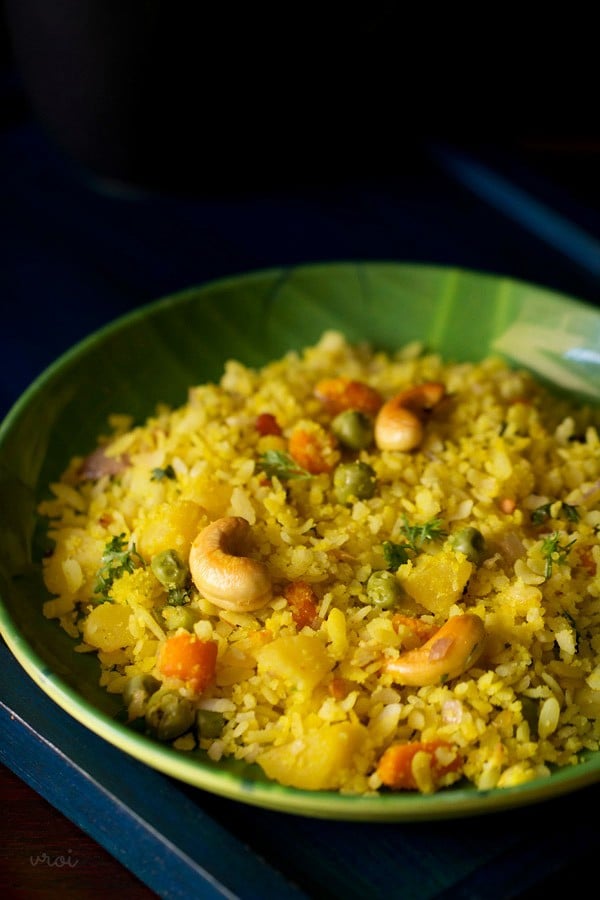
{"x":147,"y":147}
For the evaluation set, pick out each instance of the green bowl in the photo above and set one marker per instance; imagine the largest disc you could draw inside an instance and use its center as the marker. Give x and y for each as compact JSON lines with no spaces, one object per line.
{"x":154,"y":354}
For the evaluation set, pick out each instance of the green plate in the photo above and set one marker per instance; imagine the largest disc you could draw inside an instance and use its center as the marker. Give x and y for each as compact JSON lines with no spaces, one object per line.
{"x":154,"y":354}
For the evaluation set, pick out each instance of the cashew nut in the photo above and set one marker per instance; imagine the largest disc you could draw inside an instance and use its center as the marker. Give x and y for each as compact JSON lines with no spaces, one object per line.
{"x":453,"y":649}
{"x":220,"y":571}
{"x":399,"y":422}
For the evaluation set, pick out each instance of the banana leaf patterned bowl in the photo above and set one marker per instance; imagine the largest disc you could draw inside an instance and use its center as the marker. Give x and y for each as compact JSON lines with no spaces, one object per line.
{"x":154,"y":354}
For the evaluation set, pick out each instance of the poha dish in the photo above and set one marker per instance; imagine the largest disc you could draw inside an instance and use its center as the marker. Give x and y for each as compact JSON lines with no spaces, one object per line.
{"x":363,"y":571}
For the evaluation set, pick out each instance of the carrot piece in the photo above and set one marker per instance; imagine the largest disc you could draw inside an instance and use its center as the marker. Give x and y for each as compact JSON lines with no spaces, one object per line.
{"x":266,"y":423}
{"x":339,"y":688}
{"x":338,"y":394}
{"x":303,"y":602}
{"x":587,"y":560}
{"x":395,"y":765}
{"x":186,"y":657}
{"x":421,"y":630}
{"x":313,"y":449}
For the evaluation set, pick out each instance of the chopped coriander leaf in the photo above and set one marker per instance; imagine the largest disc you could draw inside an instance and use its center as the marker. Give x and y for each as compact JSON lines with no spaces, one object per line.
{"x":554,"y":552}
{"x":571,"y":512}
{"x":277,"y":464}
{"x":541,"y":513}
{"x":395,"y":555}
{"x":177,"y":596}
{"x":417,"y":535}
{"x":117,"y":559}
{"x":158,"y":474}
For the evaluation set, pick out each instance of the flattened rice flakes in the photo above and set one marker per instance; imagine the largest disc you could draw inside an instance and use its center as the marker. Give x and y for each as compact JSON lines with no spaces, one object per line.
{"x":366,"y":553}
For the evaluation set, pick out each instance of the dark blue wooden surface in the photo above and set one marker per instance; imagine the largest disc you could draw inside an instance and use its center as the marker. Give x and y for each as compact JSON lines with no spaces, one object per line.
{"x":185,"y":843}
{"x":139,"y":816}
{"x":76,"y":252}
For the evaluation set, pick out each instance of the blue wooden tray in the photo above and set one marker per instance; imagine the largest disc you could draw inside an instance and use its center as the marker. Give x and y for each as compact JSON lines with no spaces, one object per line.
{"x":184,"y":843}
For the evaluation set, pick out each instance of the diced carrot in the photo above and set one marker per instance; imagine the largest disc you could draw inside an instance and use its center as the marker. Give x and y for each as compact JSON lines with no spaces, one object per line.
{"x":339,"y":688}
{"x":303,"y":602}
{"x":587,"y":560}
{"x":421,"y":630}
{"x":395,"y":766}
{"x":507,"y":505}
{"x":186,"y":657}
{"x":313,"y":449}
{"x":338,"y":394}
{"x":266,"y":423}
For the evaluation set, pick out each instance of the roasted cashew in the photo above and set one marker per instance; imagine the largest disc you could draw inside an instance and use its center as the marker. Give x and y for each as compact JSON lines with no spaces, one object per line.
{"x":399,"y":422}
{"x":447,"y":654}
{"x":220,"y":571}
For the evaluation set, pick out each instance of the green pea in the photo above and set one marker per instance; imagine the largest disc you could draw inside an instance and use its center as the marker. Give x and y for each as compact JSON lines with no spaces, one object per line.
{"x":178,"y":617}
{"x":169,"y":569}
{"x":140,"y":688}
{"x":209,"y":724}
{"x":353,"y":429}
{"x":354,"y":481}
{"x":383,"y":589}
{"x":168,"y":715}
{"x":471,"y":542}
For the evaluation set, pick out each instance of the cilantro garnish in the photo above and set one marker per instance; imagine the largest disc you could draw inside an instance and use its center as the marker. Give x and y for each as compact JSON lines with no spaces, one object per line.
{"x":554,"y":552}
{"x":396,"y":554}
{"x":177,"y":596}
{"x":417,"y":535}
{"x":117,"y":559}
{"x":541,"y":513}
{"x":277,"y":464}
{"x":571,"y":512}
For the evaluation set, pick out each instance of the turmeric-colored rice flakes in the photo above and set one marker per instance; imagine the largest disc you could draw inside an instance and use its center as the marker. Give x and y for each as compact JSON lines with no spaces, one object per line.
{"x":362,"y":571}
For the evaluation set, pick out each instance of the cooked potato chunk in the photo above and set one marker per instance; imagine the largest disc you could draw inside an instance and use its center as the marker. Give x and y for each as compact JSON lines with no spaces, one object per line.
{"x":317,"y":761}
{"x":300,"y":659}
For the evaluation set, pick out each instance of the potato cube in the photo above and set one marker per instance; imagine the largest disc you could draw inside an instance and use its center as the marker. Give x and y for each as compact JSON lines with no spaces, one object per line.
{"x":316,"y":761}
{"x":171,"y":526}
{"x":300,"y":660}
{"x":107,"y":627}
{"x":436,"y":581}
